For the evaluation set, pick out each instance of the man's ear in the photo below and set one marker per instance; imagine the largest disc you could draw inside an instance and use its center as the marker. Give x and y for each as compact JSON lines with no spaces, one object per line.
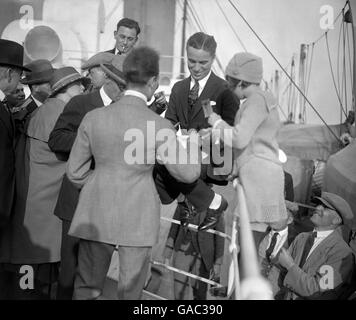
{"x":336,"y":220}
{"x":115,"y":33}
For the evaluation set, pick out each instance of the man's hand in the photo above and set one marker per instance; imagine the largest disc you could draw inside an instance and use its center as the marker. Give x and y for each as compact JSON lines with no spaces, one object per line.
{"x":285,"y":259}
{"x":213,"y":118}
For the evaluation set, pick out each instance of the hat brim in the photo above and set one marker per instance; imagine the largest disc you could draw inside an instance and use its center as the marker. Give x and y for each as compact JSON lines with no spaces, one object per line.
{"x":66,"y":84}
{"x":114,"y":73}
{"x":15,"y":66}
{"x":324,"y":202}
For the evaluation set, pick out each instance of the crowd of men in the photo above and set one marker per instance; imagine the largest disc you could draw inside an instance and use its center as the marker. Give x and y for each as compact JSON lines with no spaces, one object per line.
{"x":68,"y":197}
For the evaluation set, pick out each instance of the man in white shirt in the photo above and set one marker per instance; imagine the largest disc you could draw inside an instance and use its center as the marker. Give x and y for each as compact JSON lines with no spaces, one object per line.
{"x":320,"y":264}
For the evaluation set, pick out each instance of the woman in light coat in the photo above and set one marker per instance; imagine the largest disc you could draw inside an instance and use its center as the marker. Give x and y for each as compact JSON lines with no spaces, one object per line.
{"x":254,"y":140}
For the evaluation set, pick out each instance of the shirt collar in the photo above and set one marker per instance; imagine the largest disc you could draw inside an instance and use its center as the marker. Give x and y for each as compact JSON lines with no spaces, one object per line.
{"x":2,"y":95}
{"x":202,"y":82}
{"x":136,"y":94}
{"x":323,"y":234}
{"x":39,"y":103}
{"x":106,"y":99}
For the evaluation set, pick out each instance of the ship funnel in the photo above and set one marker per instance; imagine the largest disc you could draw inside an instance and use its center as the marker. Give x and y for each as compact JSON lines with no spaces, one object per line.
{"x":42,"y":42}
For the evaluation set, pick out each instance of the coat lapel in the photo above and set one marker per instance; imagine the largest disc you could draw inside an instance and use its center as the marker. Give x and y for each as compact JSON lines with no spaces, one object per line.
{"x":205,"y":94}
{"x":6,"y":119}
{"x":317,"y":255}
{"x":183,"y":96}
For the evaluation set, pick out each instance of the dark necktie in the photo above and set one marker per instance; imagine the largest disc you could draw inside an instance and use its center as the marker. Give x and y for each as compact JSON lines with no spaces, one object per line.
{"x":308,"y":245}
{"x":271,"y":246}
{"x":193,"y":94}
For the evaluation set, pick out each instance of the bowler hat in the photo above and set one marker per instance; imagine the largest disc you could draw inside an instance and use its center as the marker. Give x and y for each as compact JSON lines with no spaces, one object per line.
{"x":41,"y":72}
{"x":245,"y":66}
{"x":11,"y":54}
{"x":97,"y":59}
{"x":114,"y":70}
{"x":63,"y":77}
{"x":335,"y":202}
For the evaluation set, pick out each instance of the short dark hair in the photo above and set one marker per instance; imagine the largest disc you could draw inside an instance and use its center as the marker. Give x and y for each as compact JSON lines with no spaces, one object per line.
{"x":140,"y":65}
{"x":201,"y":40}
{"x":129,"y":23}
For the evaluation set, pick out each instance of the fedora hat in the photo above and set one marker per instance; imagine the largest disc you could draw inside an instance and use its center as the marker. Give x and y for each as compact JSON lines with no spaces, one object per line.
{"x":97,"y":59}
{"x":114,"y":70}
{"x":63,"y":77}
{"x":335,"y":202}
{"x":41,"y":71}
{"x":11,"y":54}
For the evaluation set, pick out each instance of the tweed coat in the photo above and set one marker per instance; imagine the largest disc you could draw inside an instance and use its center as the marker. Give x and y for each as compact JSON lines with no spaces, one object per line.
{"x":34,"y":235}
{"x":119,"y":203}
{"x":306,"y":282}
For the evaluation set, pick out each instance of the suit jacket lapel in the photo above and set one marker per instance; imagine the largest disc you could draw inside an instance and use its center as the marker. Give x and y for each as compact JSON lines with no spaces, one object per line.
{"x":205,"y":94}
{"x":183,"y":96}
{"x":316,"y":256}
{"x":6,"y":119}
{"x":96,"y":100}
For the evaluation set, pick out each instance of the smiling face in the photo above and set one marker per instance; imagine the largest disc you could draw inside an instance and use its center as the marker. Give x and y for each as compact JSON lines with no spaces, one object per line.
{"x":324,"y":217}
{"x":125,"y":39}
{"x":199,"y":62}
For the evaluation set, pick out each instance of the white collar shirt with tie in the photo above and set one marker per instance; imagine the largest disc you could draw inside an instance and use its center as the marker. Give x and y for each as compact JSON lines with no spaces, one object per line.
{"x":2,"y":96}
{"x":202,"y":83}
{"x":282,"y":237}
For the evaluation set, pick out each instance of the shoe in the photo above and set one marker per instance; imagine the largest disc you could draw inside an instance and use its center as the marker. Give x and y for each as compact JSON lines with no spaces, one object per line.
{"x":212,"y":216}
{"x":186,"y":212}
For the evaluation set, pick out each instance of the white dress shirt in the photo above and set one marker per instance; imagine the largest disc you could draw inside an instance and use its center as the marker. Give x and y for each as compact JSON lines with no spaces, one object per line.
{"x":282,"y":237}
{"x":320,"y":236}
{"x":202,"y":83}
{"x":106,"y":99}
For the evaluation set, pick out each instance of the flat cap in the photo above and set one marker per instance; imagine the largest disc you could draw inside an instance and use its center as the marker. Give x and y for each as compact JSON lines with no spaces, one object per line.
{"x":98,"y":59}
{"x":335,"y":202}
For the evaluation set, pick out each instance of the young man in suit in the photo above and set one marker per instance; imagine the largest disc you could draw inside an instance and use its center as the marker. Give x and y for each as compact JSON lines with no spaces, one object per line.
{"x":320,"y":264}
{"x":126,"y":36}
{"x":185,"y":107}
{"x":61,"y":141}
{"x":118,"y":205}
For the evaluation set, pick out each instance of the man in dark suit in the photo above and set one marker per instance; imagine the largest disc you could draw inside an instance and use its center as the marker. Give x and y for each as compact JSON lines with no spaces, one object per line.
{"x":61,"y":141}
{"x":126,"y":36}
{"x":11,"y":67}
{"x":185,"y":107}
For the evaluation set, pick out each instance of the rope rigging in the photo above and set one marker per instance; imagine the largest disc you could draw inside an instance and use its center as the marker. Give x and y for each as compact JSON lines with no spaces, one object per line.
{"x":279,"y":64}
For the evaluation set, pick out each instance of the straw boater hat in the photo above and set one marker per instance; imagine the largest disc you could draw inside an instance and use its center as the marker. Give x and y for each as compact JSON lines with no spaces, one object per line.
{"x":63,"y":77}
{"x":41,"y":72}
{"x":11,"y":54}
